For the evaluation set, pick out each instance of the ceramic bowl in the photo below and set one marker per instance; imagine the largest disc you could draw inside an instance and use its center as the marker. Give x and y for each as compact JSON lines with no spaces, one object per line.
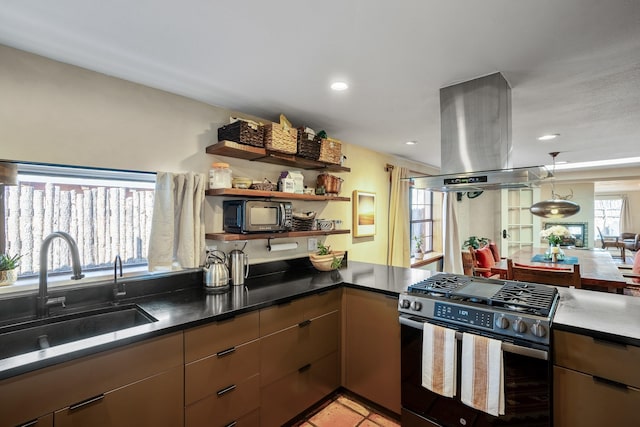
{"x":323,"y":262}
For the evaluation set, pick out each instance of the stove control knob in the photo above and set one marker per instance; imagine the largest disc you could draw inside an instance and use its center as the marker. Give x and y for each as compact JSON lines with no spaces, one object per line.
{"x":416,"y":305}
{"x":405,"y":303}
{"x":538,"y":330}
{"x":502,"y":322}
{"x":519,"y":326}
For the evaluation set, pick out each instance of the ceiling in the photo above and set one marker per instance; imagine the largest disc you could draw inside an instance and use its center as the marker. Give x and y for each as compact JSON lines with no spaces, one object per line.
{"x":573,"y":65}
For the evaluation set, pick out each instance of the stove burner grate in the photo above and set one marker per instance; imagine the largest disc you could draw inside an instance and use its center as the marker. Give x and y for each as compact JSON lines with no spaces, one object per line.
{"x":525,"y":296}
{"x":440,"y":285}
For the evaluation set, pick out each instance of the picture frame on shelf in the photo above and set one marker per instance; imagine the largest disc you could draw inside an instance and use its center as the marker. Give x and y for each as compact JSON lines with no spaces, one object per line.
{"x":364,"y":213}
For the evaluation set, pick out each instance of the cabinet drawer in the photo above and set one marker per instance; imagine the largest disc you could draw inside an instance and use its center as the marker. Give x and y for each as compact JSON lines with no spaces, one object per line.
{"x":288,"y":350}
{"x":289,"y":396}
{"x":229,"y":404}
{"x":152,"y":402}
{"x":604,"y":359}
{"x":278,"y":317}
{"x":28,"y":396}
{"x":44,"y":421}
{"x":209,"y":339}
{"x":206,"y":376}
{"x":581,"y":400}
{"x":322,"y":303}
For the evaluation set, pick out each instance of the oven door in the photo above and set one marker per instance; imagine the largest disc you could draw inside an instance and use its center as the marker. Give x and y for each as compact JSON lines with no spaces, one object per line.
{"x":527,"y":387}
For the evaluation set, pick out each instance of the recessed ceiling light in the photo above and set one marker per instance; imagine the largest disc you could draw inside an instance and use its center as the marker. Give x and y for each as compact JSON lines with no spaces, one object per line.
{"x":411,"y":142}
{"x":548,"y":137}
{"x":339,"y":86}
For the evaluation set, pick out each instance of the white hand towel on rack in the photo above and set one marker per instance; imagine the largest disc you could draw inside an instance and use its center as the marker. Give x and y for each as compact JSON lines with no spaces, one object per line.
{"x":482,"y":374}
{"x":439,"y":360}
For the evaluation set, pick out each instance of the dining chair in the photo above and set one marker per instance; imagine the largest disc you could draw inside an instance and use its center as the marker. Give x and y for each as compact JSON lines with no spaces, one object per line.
{"x":612,"y":244}
{"x":482,"y":260}
{"x":559,"y":276}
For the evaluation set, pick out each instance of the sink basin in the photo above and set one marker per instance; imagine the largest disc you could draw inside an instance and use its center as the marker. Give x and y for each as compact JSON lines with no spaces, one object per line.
{"x":49,"y":332}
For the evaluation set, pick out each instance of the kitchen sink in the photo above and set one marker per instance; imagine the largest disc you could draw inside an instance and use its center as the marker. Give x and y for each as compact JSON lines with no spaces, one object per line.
{"x":49,"y":332}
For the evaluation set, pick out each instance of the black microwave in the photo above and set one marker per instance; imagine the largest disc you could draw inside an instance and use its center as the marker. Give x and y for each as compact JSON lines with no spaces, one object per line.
{"x":256,"y":216}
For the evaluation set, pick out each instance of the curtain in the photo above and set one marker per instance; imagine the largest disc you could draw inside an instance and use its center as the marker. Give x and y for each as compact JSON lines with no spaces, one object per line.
{"x":399,"y":253}
{"x":626,"y":223}
{"x":452,"y":262}
{"x":177,"y":228}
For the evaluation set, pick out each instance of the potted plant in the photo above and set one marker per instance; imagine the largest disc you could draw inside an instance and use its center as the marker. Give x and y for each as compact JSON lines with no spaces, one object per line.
{"x":418,"y":253}
{"x":324,"y":259}
{"x":475,"y":242}
{"x":8,"y":265}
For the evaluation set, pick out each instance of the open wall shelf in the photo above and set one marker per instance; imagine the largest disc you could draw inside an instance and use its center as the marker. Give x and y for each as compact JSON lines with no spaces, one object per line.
{"x":256,"y":236}
{"x":249,"y":152}
{"x":240,"y":192}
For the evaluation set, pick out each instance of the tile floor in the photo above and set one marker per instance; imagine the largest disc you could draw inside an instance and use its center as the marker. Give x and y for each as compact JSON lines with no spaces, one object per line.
{"x":345,"y":411}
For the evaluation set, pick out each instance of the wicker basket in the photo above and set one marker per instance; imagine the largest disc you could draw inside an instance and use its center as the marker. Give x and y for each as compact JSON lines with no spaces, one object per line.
{"x":280,"y":138}
{"x":308,"y":145}
{"x":243,"y":133}
{"x":265,"y":185}
{"x":303,"y":221}
{"x":331,"y":151}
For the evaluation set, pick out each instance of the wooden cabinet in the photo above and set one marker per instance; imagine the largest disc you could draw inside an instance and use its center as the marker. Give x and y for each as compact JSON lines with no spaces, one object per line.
{"x":154,"y":401}
{"x":222,"y":367}
{"x":299,"y":355}
{"x":595,"y":382}
{"x":106,"y":385}
{"x":372,"y":347}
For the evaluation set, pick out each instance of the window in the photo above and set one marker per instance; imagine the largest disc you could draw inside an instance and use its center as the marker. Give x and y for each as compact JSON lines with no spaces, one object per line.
{"x":421,"y":202}
{"x":107,"y":212}
{"x":607,"y":215}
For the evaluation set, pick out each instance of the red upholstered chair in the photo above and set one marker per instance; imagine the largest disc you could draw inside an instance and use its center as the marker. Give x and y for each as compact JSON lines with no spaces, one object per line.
{"x":482,"y":260}
{"x":494,"y":250}
{"x":559,"y":276}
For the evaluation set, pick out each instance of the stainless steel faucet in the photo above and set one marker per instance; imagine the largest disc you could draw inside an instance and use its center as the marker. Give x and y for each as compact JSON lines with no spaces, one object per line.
{"x":44,"y":302}
{"x":117,"y":292}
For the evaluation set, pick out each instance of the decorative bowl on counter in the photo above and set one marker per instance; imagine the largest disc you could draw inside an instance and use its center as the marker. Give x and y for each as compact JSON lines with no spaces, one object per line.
{"x":327,"y":262}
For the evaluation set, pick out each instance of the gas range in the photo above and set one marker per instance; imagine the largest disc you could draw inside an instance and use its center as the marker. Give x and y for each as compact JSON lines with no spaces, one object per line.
{"x":502,"y":309}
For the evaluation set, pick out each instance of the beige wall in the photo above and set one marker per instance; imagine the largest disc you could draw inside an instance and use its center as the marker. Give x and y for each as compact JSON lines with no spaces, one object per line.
{"x":57,"y":113}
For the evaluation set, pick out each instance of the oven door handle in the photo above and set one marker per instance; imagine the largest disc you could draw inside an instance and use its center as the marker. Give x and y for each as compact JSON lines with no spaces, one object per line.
{"x":508,"y":347}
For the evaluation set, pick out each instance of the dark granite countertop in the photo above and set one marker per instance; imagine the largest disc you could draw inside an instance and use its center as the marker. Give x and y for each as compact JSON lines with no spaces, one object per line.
{"x":193,"y":306}
{"x":601,"y":315}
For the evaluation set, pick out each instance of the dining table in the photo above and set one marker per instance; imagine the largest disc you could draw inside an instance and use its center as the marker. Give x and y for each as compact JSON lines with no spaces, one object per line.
{"x":597,"y":268}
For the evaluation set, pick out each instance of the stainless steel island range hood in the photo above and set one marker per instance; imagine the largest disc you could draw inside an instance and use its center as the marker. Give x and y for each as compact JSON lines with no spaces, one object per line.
{"x":475,"y":127}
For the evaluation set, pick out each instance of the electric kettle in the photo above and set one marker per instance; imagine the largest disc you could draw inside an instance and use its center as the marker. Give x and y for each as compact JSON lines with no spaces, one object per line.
{"x":239,"y":266}
{"x":216,"y":274}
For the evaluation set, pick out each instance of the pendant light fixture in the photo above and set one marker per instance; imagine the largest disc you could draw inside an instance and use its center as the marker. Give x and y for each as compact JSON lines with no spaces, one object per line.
{"x":557,"y":207}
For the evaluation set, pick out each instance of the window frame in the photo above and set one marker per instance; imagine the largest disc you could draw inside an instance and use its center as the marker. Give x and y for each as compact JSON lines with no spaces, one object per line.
{"x":93,"y":177}
{"x":427,"y":240}
{"x":600,"y":221}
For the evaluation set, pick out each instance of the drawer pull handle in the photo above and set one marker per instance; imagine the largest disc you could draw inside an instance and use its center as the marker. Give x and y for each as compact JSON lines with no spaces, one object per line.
{"x":29,"y":423}
{"x":226,"y":390}
{"x":226,"y":352}
{"x":232,"y":424}
{"x":86,"y":402}
{"x":304,"y":323}
{"x":611,"y":383}
{"x":305,"y":368}
{"x":611,"y":343}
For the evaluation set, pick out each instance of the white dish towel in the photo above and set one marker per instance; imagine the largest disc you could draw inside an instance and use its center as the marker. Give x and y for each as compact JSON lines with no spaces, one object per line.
{"x":482,"y":374}
{"x":439,"y":361}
